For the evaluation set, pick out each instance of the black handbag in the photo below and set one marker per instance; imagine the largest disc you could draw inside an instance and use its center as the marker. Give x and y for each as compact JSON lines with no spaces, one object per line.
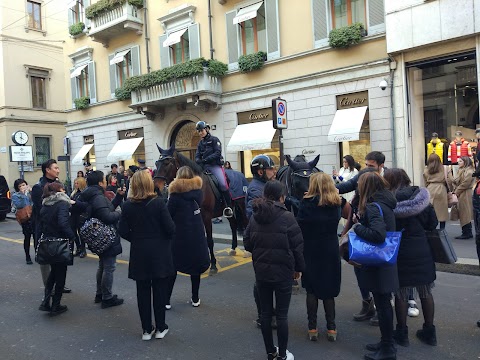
{"x":442,"y":249}
{"x":52,"y":250}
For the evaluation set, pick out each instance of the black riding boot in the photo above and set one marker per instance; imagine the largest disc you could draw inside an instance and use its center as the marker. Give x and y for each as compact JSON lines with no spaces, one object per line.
{"x":227,"y":212}
{"x":45,"y":305}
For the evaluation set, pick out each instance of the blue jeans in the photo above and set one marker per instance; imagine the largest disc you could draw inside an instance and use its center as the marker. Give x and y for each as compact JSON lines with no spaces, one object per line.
{"x":219,"y":173}
{"x":106,"y":267}
{"x":283,"y":293}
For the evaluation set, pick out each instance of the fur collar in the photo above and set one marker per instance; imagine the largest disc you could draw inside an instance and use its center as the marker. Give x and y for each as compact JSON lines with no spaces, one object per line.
{"x":414,"y":205}
{"x":185,"y":185}
{"x":57,"y":197}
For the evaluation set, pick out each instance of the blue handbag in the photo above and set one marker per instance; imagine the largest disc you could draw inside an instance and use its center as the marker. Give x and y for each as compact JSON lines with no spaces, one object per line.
{"x":367,"y":253}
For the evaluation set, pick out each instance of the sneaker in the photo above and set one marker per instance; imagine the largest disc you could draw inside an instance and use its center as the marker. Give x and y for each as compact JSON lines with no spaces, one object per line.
{"x":195,"y":304}
{"x":313,"y":334}
{"x":289,"y":356}
{"x":98,"y":299}
{"x":168,"y":307}
{"x":413,"y":309}
{"x":332,"y":335}
{"x":114,"y":301}
{"x":161,"y":334}
{"x":66,"y":290}
{"x":147,"y":335}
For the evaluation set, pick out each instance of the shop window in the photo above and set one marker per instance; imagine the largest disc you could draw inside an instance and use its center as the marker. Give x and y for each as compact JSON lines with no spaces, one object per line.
{"x":123,"y":65}
{"x":38,"y":92}
{"x":34,"y":15}
{"x":42,"y":150}
{"x":347,"y":12}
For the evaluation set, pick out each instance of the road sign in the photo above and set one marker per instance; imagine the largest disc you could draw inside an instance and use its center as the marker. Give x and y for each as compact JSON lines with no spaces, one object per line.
{"x":279,"y":113}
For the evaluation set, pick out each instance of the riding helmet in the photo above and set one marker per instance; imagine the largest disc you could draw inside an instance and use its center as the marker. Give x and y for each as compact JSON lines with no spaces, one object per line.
{"x":261,"y":162}
{"x":202,"y":125}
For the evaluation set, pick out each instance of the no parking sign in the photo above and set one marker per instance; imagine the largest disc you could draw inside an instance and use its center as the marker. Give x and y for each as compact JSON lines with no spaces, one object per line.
{"x":279,"y":113}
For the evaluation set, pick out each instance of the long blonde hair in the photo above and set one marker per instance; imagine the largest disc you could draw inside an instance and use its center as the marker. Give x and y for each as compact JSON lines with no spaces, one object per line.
{"x":368,"y":184}
{"x":322,"y":185}
{"x":82,"y":185}
{"x":141,"y":187}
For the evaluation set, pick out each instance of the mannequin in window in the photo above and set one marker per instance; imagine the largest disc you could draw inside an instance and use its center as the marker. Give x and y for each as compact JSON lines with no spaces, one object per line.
{"x":458,"y":147}
{"x":435,"y":146}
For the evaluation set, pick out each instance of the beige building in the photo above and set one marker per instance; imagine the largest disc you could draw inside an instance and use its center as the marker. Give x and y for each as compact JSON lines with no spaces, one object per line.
{"x":334,"y":104}
{"x":32,"y":86}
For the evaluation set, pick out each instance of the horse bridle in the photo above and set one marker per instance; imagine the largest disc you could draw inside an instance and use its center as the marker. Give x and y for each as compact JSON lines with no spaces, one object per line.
{"x":302,"y":173}
{"x":167,"y":157}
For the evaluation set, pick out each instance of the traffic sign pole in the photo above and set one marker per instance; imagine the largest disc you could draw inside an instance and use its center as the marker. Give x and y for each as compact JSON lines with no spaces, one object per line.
{"x":279,"y":112}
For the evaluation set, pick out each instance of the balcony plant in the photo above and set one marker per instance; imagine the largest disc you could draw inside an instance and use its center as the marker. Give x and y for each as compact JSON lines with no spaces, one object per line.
{"x":82,"y":103}
{"x":179,"y":71}
{"x":106,"y":5}
{"x":346,"y":36}
{"x":252,"y":62}
{"x":76,"y":29}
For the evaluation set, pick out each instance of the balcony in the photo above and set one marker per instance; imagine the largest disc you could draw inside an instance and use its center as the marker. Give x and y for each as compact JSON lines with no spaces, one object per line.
{"x":116,"y":22}
{"x":202,"y":90}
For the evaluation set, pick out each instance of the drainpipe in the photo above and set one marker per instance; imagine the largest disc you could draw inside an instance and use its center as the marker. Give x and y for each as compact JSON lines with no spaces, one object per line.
{"x":392,"y":109}
{"x":210,"y":29}
{"x":147,"y":39}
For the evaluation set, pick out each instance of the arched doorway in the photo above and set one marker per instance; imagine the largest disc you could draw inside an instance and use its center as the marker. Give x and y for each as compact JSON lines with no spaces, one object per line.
{"x":185,"y":138}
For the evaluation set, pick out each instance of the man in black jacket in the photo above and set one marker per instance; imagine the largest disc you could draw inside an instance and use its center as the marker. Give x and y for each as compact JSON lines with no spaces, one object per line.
{"x":104,"y":210}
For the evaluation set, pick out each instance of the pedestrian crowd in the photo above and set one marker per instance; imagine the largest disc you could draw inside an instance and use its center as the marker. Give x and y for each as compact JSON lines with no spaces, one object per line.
{"x":167,"y":235}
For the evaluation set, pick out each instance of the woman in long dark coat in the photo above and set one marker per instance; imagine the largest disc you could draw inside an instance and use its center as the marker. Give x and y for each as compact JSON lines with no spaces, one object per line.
{"x":147,"y":225}
{"x":190,"y":248}
{"x":318,"y":217}
{"x":416,"y":269}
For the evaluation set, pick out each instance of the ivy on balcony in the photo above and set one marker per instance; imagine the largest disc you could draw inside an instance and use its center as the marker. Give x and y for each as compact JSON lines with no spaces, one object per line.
{"x":346,"y":36}
{"x":82,"y":103}
{"x":179,"y":71}
{"x":107,"y":5}
{"x":76,"y":29}
{"x":252,"y":62}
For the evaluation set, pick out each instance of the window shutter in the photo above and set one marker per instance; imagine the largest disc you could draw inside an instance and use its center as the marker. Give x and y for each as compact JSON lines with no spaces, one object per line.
{"x":113,"y":76}
{"x":91,"y":82}
{"x":73,"y":86}
{"x":135,"y":54}
{"x":194,"y":41}
{"x":70,"y":17}
{"x":273,"y":38}
{"x":232,"y":40}
{"x":86,"y":3}
{"x":164,"y":52}
{"x":320,"y":22}
{"x":376,"y":17}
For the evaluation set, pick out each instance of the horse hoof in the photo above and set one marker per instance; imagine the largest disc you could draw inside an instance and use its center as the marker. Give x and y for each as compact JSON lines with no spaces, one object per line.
{"x":232,"y":252}
{"x":213,"y":269}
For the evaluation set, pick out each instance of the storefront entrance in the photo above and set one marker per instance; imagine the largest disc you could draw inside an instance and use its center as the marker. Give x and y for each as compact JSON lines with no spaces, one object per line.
{"x":186,"y":139}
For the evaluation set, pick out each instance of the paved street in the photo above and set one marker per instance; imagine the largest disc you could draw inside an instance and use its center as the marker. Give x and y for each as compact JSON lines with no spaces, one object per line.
{"x":221,"y":328}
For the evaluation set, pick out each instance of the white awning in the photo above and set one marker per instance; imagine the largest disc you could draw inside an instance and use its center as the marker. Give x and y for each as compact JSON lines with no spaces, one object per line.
{"x":346,"y":124}
{"x":247,"y":13}
{"x":78,"y":159}
{"x":174,"y":38}
{"x":123,"y":149}
{"x":253,"y":136}
{"x":119,"y":57}
{"x":78,"y":71}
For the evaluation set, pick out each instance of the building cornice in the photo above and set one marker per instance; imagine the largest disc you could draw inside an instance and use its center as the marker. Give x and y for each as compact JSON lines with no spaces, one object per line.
{"x":31,"y":109}
{"x":31,"y":121}
{"x":106,"y":120}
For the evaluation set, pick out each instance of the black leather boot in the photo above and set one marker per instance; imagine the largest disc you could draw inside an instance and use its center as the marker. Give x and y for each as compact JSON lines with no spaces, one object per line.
{"x":367,"y":311}
{"x":428,"y":335}
{"x":45,"y":305}
{"x":57,"y":309}
{"x":466,"y":232}
{"x":227,"y":212}
{"x":400,"y":335}
{"x":386,"y":352}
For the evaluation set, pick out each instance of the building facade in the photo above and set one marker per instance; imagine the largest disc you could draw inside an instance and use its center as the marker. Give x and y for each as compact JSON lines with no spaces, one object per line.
{"x":435,"y":46}
{"x":334,"y":104}
{"x":32,"y":90}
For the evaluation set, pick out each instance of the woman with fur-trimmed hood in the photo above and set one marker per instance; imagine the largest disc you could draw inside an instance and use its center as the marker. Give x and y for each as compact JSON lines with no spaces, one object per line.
{"x":190,"y":249}
{"x":416,"y":269}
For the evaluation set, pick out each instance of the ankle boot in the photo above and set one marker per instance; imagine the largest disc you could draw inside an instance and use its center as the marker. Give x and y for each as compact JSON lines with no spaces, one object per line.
{"x":45,"y":305}
{"x":428,"y":335}
{"x":367,"y":311}
{"x":56,"y":307}
{"x":400,"y":335}
{"x":466,"y":232}
{"x":385,"y":352}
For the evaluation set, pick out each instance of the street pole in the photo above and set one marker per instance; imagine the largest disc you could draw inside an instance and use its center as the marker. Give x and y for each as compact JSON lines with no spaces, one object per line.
{"x":22,"y":174}
{"x":280,"y":143}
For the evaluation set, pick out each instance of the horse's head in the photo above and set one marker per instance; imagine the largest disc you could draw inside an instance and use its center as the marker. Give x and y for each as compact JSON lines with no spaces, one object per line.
{"x":300,"y":175}
{"x":166,"y":164}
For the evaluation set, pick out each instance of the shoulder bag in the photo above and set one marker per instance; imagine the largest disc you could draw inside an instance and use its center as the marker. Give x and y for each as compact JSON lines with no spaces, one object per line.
{"x":52,"y":250}
{"x":451,"y":197}
{"x":97,"y":235}
{"x":442,"y":249}
{"x":366,"y":253}
{"x":24,"y":214}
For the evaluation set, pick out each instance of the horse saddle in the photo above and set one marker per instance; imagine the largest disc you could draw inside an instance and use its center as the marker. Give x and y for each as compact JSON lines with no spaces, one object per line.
{"x":214,"y":184}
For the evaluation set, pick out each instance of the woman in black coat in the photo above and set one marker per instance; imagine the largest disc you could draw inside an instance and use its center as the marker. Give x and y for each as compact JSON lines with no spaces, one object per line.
{"x":318,"y":217}
{"x":79,"y":185}
{"x":275,"y":241}
{"x":381,"y":281}
{"x":147,"y":225}
{"x":416,"y":269}
{"x":190,"y":248}
{"x":55,"y":222}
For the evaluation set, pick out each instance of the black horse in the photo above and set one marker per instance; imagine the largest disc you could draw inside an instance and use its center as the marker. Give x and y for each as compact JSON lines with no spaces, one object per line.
{"x":167,"y":165}
{"x":296,"y":177}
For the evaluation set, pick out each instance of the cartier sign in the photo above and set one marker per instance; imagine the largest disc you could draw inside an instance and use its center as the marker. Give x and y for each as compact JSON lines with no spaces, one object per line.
{"x":130,"y":134}
{"x":88,"y":139}
{"x":352,"y":100}
{"x":247,"y":117}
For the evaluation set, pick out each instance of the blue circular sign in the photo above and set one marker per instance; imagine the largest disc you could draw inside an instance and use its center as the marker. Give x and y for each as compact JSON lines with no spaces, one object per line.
{"x":281,"y":109}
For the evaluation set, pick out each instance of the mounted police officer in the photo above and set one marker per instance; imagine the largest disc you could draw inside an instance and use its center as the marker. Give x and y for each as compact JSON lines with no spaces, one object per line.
{"x":209,"y":156}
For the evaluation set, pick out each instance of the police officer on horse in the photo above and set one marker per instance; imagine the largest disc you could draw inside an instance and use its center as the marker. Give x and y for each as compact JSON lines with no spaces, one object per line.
{"x":209,"y":156}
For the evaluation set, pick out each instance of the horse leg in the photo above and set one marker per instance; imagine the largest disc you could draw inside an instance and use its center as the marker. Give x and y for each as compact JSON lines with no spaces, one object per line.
{"x":208,"y":229}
